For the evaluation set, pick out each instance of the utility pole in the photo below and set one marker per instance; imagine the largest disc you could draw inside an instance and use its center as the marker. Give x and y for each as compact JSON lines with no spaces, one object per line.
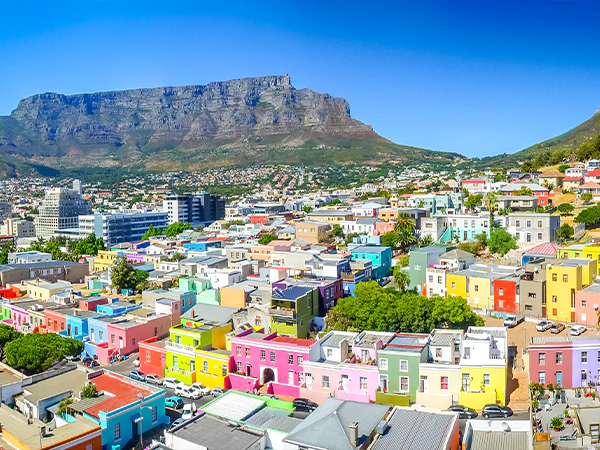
{"x":141,"y":398}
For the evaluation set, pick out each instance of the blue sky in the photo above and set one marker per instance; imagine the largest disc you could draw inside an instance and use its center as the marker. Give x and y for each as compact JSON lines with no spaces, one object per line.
{"x":478,"y":78}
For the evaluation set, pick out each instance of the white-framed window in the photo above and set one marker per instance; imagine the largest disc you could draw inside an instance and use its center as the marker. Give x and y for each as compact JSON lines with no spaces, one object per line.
{"x":542,"y":377}
{"x":239,"y":366}
{"x":383,"y":364}
{"x":403,"y":365}
{"x":205,"y":366}
{"x":404,"y":384}
{"x":583,"y":357}
{"x":272,"y":356}
{"x":300,"y":360}
{"x":363,"y":383}
{"x":486,"y":379}
{"x":540,"y":236}
{"x":325,"y":381}
{"x":263,"y":355}
{"x":290,"y":359}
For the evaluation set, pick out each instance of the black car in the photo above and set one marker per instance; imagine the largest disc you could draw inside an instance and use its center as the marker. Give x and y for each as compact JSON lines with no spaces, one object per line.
{"x":304,"y":404}
{"x":463,"y":411}
{"x":496,"y":411}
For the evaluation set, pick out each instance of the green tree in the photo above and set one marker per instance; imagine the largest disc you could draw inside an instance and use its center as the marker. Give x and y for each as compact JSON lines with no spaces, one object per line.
{"x":587,"y":197}
{"x":426,"y":241}
{"x":151,"y":232}
{"x":524,"y":190}
{"x":141,"y":280}
{"x":307,"y":208}
{"x":473,"y":201}
{"x":490,"y":203}
{"x":4,"y":255}
{"x":401,"y":277}
{"x":89,"y":391}
{"x":564,"y":233}
{"x":175,"y":229}
{"x":64,"y":406}
{"x":590,"y":217}
{"x":338,"y":231}
{"x":501,"y":242}
{"x":266,"y":239}
{"x":226,"y":225}
{"x":390,"y":239}
{"x":7,"y":334}
{"x":405,"y":223}
{"x":122,"y":275}
{"x":566,"y":209}
{"x":563,"y":167}
{"x":527,"y":167}
{"x":35,"y":352}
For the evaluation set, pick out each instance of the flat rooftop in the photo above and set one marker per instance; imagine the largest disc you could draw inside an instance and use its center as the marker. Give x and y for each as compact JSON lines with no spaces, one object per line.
{"x":73,"y":381}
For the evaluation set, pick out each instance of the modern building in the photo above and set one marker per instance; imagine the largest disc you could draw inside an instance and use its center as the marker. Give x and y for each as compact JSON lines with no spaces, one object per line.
{"x":121,"y":227}
{"x":5,"y":210}
{"x":195,"y":209}
{"x":18,"y":228}
{"x":60,"y":210}
{"x":29,"y":257}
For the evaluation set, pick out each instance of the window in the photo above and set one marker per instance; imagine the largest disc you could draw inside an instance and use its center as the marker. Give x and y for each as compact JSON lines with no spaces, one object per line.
{"x":363,"y":383}
{"x":431,"y":278}
{"x":542,"y":359}
{"x":584,"y":377}
{"x":257,"y":321}
{"x":290,"y":359}
{"x":565,"y":278}
{"x":500,"y":291}
{"x":517,"y":223}
{"x":148,"y":357}
{"x":192,"y":366}
{"x":383,"y":363}
{"x":239,"y":350}
{"x":196,"y":342}
{"x":476,"y":288}
{"x":532,"y":295}
{"x":239,"y":366}
{"x":554,"y":300}
{"x":540,"y":237}
{"x":247,"y":352}
{"x":559,"y":357}
{"x":329,"y":353}
{"x":554,"y":277}
{"x":154,"y":414}
{"x":444,"y":383}
{"x":403,"y":365}
{"x":263,"y":355}
{"x":300,"y":360}
{"x":224,"y":370}
{"x":528,"y":308}
{"x":583,"y":303}
{"x":272,"y":356}
{"x":132,"y":341}
{"x":178,"y":339}
{"x":403,"y":384}
{"x":438,"y":352}
{"x":175,"y":362}
{"x":453,"y":285}
{"x":325,"y":381}
{"x":117,"y":431}
{"x":205,"y":366}
{"x":542,"y":377}
{"x":439,"y":280}
{"x":583,"y":357}
{"x":486,"y":379}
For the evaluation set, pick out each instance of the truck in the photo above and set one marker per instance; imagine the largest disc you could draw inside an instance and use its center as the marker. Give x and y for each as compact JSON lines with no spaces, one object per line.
{"x":512,"y":320}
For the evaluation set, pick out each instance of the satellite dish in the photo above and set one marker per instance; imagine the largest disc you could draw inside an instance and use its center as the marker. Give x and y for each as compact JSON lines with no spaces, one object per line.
{"x":595,"y":305}
{"x":505,"y":427}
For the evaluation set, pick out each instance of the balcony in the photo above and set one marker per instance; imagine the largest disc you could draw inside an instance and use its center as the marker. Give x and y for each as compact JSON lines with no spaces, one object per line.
{"x":180,"y":348}
{"x":283,"y":313}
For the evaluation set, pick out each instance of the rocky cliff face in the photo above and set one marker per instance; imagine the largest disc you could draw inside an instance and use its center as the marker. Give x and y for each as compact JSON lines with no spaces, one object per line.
{"x":229,"y":122}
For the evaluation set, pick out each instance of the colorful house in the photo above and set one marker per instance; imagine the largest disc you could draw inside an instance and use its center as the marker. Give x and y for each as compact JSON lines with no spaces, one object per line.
{"x":153,"y":356}
{"x":419,"y":260}
{"x":563,"y":280}
{"x":540,"y":192}
{"x":380,"y":257}
{"x":293,"y":309}
{"x":587,"y":305}
{"x":105,"y":259}
{"x":91,"y":303}
{"x":551,"y":361}
{"x":580,"y":251}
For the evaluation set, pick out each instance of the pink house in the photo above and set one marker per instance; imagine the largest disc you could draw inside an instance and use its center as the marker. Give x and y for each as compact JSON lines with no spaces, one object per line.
{"x":383,"y":227}
{"x":269,"y":359}
{"x":133,"y":257}
{"x":587,"y":305}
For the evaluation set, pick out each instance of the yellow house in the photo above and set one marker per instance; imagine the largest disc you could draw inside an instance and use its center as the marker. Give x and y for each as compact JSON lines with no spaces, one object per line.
{"x":42,"y":290}
{"x":212,"y":366}
{"x":579,"y":252}
{"x":562,"y":281}
{"x":104,"y":260}
{"x":457,"y":284}
{"x":481,"y":292}
{"x":483,"y":367}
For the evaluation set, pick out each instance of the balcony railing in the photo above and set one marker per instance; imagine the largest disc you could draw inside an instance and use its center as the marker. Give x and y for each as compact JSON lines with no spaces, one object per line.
{"x":285,"y":313}
{"x":169,"y":345}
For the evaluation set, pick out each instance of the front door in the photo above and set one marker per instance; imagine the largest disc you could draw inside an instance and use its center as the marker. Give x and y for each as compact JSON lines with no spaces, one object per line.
{"x":572,"y":316}
{"x":308,"y":379}
{"x":383,"y":383}
{"x":247,"y":369}
{"x":559,"y":378}
{"x":344,"y":382}
{"x":466,"y":382}
{"x":68,"y":330}
{"x":134,"y":430}
{"x":423,"y":384}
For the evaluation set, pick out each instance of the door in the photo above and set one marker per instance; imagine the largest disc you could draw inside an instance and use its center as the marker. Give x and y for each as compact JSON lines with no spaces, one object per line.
{"x":134,"y":430}
{"x":344,"y":382}
{"x":247,"y":369}
{"x":466,"y":382}
{"x":423,"y":384}
{"x":544,"y":312}
{"x":559,"y":378}
{"x":120,"y":342}
{"x":572,"y":316}
{"x":308,"y":379}
{"x":291,"y":377}
{"x":383,"y":383}
{"x":69,"y":330}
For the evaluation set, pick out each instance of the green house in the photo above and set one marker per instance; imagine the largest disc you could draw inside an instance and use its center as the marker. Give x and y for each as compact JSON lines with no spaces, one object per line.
{"x":292,"y":310}
{"x":399,"y":363}
{"x":203,"y":288}
{"x":420,"y":259}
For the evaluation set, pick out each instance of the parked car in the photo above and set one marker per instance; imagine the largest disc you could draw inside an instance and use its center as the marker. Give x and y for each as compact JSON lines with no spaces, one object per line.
{"x":154,"y":379}
{"x":271,"y":396}
{"x":176,"y":423}
{"x":216,"y":392}
{"x":188,"y":412}
{"x":174,"y":402}
{"x":512,"y":320}
{"x":137,"y":375}
{"x":172,"y":383}
{"x":556,"y":328}
{"x":136,"y":362}
{"x":496,"y":411}
{"x":577,"y":330}
{"x":304,"y":404}
{"x":200,"y":388}
{"x":187,"y":392}
{"x":544,"y":325}
{"x":463,"y":411}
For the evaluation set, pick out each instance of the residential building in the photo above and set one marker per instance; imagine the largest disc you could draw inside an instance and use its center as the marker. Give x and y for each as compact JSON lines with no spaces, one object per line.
{"x":572,"y":183}
{"x":313,"y":232}
{"x":552,"y":178}
{"x":587,"y":305}
{"x":186,"y":298}
{"x":419,"y":259}
{"x":18,"y":228}
{"x":532,"y":227}
{"x":533,"y":300}
{"x":484,"y":367}
{"x":488,"y":434}
{"x":28,"y":257}
{"x":105,"y":259}
{"x":476,"y":186}
{"x":195,"y":209}
{"x":50,"y":271}
{"x":60,"y":210}
{"x":153,"y":356}
{"x":466,"y":227}
{"x":115,"y":228}
{"x":331,"y":216}
{"x":517,"y":202}
{"x":542,"y":251}
{"x":380,"y":257}
{"x":540,"y":192}
{"x":435,"y":227}
{"x":293,"y":309}
{"x":359,"y":271}
{"x":562,"y":281}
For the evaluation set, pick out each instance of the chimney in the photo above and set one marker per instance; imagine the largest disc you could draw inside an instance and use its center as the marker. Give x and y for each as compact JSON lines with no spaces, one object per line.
{"x":353,"y":427}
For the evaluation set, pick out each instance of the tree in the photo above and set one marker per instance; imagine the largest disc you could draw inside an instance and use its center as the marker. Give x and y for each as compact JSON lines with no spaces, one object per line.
{"x":563,"y":167}
{"x":564,"y":233}
{"x":405,"y":222}
{"x":490,"y":203}
{"x":141,"y":280}
{"x":35,"y":352}
{"x":307,"y":208}
{"x":4,"y":255}
{"x":175,"y":229}
{"x":89,"y":391}
{"x":406,"y":238}
{"x":473,"y":201}
{"x":401,"y":277}
{"x":590,"y":217}
{"x":266,"y":239}
{"x":527,"y":167}
{"x":122,"y":275}
{"x":426,"y":241}
{"x":390,"y":239}
{"x":501,"y":177}
{"x":7,"y":334}
{"x":338,"y":231}
{"x":88,"y":246}
{"x":566,"y":209}
{"x":64,"y":406}
{"x":587,"y":197}
{"x":151,"y":232}
{"x":524,"y":190}
{"x":501,"y":242}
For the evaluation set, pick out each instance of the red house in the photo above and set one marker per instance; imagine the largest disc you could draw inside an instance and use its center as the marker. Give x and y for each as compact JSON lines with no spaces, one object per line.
{"x":540,"y":192}
{"x":259,"y":219}
{"x":56,"y":321}
{"x":505,"y":294}
{"x":91,"y":303}
{"x":551,"y":362}
{"x":10,"y":292}
{"x":153,"y":356}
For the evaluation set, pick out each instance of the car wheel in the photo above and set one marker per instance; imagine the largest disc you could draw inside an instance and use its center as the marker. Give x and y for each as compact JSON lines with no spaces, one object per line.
{"x":486,"y":416}
{"x":505,"y":415}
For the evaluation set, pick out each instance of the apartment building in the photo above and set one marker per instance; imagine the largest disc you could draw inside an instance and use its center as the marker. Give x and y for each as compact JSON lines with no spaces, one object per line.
{"x":115,"y":228}
{"x":60,"y":210}
{"x":195,"y":209}
{"x":532,"y":227}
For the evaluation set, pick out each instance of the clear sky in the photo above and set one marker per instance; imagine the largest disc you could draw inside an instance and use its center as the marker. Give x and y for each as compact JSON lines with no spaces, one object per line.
{"x":475,"y":77}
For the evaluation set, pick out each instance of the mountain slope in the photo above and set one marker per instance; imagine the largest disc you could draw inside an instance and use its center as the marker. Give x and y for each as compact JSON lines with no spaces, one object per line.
{"x":237,"y":122}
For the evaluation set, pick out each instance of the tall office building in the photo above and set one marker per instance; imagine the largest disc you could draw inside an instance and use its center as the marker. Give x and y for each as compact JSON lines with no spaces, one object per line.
{"x":5,"y":210}
{"x":60,"y":210}
{"x":121,"y":227}
{"x":195,"y":209}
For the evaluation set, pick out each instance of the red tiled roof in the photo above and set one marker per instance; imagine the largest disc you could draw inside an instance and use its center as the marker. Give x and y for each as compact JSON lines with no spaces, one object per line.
{"x":125,"y":392}
{"x":572,"y":179}
{"x":212,"y":239}
{"x":291,"y":340}
{"x":590,"y":184}
{"x":472,"y":181}
{"x":593,"y":173}
{"x":544,"y":249}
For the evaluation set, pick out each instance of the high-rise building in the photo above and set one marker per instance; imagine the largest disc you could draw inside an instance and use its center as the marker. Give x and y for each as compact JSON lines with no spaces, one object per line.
{"x":60,"y":210}
{"x":5,"y":210}
{"x":195,"y":209}
{"x":121,"y":227}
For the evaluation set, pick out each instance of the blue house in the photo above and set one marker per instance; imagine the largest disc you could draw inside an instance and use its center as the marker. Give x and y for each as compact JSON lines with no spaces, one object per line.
{"x":116,"y":308}
{"x":98,"y":332}
{"x":76,"y":323}
{"x":359,"y":272}
{"x":380,"y":257}
{"x":202,"y":246}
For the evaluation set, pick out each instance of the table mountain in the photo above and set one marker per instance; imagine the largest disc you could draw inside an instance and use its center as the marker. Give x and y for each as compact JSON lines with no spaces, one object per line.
{"x":237,"y":122}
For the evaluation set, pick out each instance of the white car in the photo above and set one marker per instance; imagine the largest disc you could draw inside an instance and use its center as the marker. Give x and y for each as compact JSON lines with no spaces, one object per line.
{"x":200,"y":388}
{"x":187,"y":392}
{"x":154,"y":379}
{"x":172,"y":383}
{"x":188,"y":412}
{"x":544,"y":325}
{"x":136,"y":362}
{"x":577,"y":330}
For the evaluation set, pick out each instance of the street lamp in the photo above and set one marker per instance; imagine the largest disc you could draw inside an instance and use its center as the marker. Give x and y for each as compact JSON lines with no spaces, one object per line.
{"x":141,"y":399}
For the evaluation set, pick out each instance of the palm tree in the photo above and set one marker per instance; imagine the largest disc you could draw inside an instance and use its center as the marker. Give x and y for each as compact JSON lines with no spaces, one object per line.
{"x":401,"y":278}
{"x":491,"y":204}
{"x":63,"y":406}
{"x":426,"y":241}
{"x":405,"y":222}
{"x":406,"y":238}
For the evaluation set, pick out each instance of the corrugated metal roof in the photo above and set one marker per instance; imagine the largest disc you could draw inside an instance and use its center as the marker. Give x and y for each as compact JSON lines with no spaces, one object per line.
{"x":513,"y":440}
{"x":233,"y":406}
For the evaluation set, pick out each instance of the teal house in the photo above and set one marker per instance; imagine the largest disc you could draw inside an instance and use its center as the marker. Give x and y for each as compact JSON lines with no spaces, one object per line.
{"x":380,"y":257}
